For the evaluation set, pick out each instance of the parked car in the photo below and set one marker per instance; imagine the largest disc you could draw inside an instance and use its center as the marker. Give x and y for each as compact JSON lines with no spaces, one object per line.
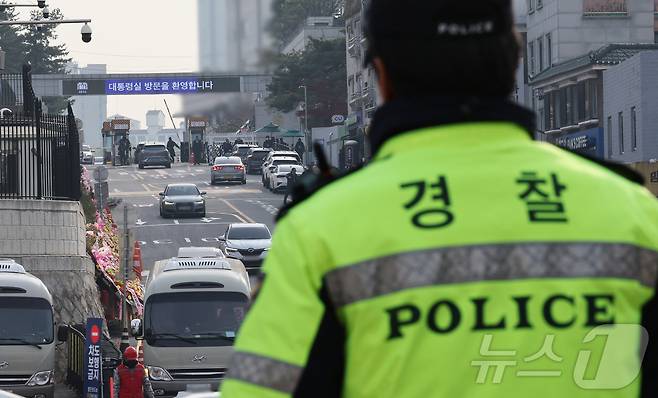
{"x":282,"y":154}
{"x":182,"y":199}
{"x":247,"y":242}
{"x":255,"y":159}
{"x":271,"y":167}
{"x":154,"y":155}
{"x":242,"y":150}
{"x":227,"y":169}
{"x":278,"y":178}
{"x":86,"y":155}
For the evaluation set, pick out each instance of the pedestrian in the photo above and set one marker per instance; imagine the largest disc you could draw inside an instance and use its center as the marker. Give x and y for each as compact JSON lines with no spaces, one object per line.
{"x":300,"y":148}
{"x":465,"y":256}
{"x":170,"y":147}
{"x":291,"y":180}
{"x":130,"y":378}
{"x":227,"y":148}
{"x":267,"y":143}
{"x":196,"y":149}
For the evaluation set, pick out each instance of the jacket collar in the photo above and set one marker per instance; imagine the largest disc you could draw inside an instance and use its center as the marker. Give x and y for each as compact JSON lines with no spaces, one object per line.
{"x":405,"y":114}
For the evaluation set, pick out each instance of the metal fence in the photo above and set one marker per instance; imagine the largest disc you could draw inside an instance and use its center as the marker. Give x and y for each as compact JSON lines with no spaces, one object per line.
{"x":39,"y":153}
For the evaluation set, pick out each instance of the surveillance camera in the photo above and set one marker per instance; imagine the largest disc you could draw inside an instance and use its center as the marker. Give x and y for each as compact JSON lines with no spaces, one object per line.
{"x":41,"y":3}
{"x":86,"y":33}
{"x":46,"y":12}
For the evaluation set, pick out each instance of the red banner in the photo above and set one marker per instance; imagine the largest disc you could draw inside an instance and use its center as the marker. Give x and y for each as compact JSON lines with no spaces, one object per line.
{"x":604,"y":6}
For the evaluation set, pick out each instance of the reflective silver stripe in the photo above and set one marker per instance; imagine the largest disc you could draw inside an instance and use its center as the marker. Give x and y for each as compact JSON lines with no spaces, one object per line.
{"x":265,"y":372}
{"x":390,"y":274}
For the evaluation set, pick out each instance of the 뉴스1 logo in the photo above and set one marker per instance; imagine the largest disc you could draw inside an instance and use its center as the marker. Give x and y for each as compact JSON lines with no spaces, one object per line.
{"x":4,"y":365}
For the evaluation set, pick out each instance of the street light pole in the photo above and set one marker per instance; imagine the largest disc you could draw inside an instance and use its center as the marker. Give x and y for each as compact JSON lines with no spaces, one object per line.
{"x":306,"y":121}
{"x":55,"y":22}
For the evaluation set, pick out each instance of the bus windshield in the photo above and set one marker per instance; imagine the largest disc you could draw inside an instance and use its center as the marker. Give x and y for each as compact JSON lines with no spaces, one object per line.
{"x":193,"y":318}
{"x":25,"y":320}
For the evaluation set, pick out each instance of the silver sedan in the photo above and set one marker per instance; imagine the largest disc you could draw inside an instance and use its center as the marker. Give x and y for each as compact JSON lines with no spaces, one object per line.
{"x":227,"y":169}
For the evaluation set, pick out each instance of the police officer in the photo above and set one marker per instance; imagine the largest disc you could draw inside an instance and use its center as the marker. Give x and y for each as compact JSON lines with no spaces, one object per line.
{"x":170,"y":147}
{"x":130,"y":378}
{"x":291,"y":180}
{"x":465,"y":260}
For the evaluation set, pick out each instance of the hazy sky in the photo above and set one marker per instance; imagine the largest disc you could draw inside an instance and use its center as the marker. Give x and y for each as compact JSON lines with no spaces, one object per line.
{"x":134,"y":36}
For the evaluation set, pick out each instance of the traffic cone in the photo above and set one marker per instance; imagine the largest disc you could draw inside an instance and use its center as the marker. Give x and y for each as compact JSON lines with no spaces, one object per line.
{"x":138,"y":267}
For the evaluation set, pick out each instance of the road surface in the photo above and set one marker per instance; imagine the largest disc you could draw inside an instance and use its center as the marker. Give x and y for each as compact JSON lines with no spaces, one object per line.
{"x":160,"y":238}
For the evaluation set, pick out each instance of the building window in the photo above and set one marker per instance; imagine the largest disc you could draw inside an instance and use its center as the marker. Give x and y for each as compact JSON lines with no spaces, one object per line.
{"x":609,"y":137}
{"x":549,"y":50}
{"x":531,"y":6}
{"x":621,"y":132}
{"x":531,"y":58}
{"x":540,"y":52}
{"x":540,"y":4}
{"x":633,"y":129}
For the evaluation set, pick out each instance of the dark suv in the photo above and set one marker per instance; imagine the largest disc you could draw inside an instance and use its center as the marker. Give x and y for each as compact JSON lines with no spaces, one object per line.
{"x":255,"y":159}
{"x":154,"y":155}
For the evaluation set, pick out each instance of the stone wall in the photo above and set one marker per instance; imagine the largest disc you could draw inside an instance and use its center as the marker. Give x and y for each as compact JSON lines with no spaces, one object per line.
{"x":48,"y":239}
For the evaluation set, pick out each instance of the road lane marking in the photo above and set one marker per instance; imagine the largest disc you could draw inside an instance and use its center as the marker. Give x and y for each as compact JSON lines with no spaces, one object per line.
{"x":134,"y":177}
{"x":176,"y":222}
{"x":186,"y":224}
{"x":140,"y":222}
{"x":187,"y":240}
{"x":245,"y":218}
{"x":146,"y":188}
{"x":116,"y":190}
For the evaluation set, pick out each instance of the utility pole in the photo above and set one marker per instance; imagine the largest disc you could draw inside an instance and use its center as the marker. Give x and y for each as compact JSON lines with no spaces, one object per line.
{"x":124,"y":307}
{"x":306,"y":123}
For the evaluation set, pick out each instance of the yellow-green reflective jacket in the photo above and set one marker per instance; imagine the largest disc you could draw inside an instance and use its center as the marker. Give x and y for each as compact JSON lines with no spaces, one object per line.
{"x":465,"y":261}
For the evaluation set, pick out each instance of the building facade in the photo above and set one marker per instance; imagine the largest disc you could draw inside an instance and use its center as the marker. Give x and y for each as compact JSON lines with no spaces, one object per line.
{"x":233,"y":34}
{"x":630,"y":115}
{"x":91,"y":110}
{"x":568,"y":45}
{"x":315,"y":28}
{"x":362,"y":93}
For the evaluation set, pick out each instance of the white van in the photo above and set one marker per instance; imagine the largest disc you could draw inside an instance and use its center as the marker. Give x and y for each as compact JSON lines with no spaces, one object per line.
{"x":27,"y":333}
{"x":193,"y":307}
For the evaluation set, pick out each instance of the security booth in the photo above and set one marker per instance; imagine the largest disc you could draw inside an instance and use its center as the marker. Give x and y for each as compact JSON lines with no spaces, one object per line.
{"x":106,"y":131}
{"x":120,"y":129}
{"x":196,"y":128}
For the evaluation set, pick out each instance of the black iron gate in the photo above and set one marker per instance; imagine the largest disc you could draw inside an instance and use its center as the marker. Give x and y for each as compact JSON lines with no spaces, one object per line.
{"x":39,"y":153}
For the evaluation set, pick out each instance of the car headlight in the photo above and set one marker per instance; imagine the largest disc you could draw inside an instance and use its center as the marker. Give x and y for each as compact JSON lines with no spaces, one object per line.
{"x":158,"y":374}
{"x":168,"y":203}
{"x":199,"y":202}
{"x":41,"y":378}
{"x":232,"y":250}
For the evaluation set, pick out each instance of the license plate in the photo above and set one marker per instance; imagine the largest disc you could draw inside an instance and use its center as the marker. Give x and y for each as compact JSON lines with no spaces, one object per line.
{"x":198,"y":388}
{"x":185,"y":208}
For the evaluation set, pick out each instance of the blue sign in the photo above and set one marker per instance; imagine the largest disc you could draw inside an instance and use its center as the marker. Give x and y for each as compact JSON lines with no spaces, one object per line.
{"x":152,"y":85}
{"x":588,"y":142}
{"x":158,"y":86}
{"x":93,"y":367}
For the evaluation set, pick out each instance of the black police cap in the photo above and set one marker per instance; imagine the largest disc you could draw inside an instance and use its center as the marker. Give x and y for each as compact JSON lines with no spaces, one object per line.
{"x":419,"y":23}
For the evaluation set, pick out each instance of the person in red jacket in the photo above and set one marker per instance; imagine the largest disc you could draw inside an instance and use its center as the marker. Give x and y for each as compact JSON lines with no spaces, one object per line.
{"x":130,"y":379}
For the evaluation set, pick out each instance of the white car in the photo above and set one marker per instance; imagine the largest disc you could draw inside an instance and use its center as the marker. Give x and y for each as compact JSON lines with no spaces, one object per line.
{"x":278,"y":178}
{"x":248,"y":243}
{"x":86,"y":155}
{"x":271,"y":167}
{"x":275,"y":155}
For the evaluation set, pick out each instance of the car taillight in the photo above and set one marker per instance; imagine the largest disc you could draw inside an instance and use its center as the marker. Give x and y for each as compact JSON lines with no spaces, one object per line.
{"x":239,"y":168}
{"x":216,"y":168}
